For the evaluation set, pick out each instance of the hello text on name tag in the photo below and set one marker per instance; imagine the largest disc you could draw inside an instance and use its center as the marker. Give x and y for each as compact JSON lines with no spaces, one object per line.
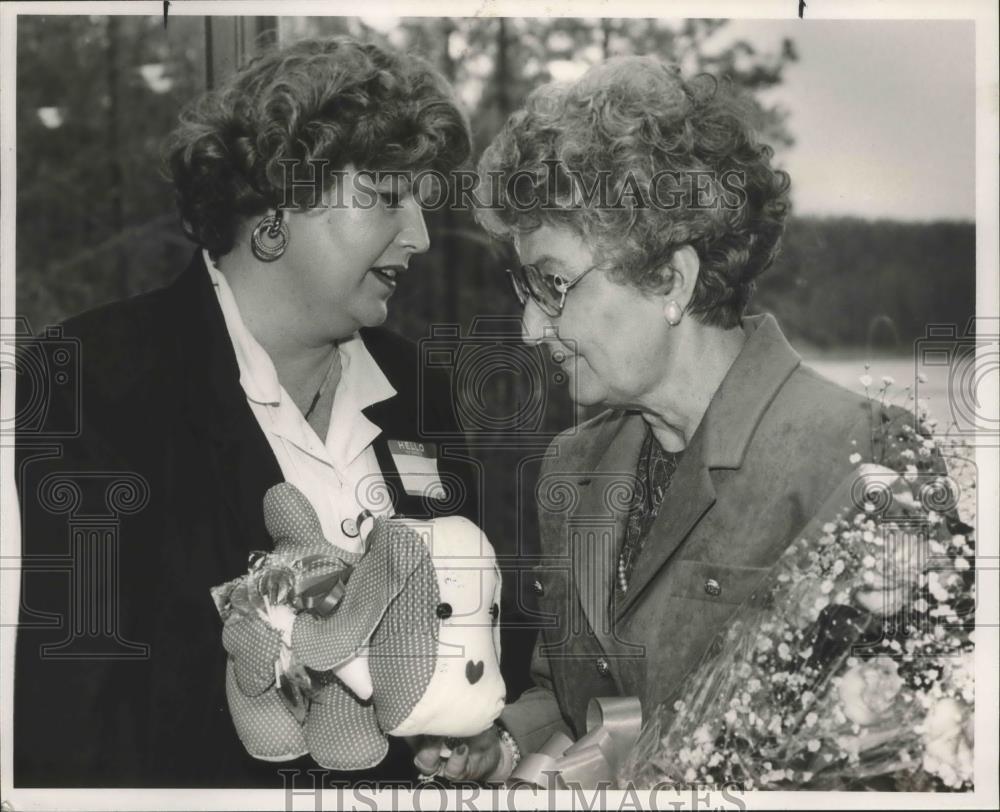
{"x":417,"y":466}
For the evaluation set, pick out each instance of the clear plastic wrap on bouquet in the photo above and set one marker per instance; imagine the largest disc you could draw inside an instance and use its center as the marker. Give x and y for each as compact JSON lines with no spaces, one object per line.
{"x":851,"y":667}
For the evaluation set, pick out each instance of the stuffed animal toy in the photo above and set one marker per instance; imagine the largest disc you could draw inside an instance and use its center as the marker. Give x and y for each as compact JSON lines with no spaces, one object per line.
{"x":342,"y":649}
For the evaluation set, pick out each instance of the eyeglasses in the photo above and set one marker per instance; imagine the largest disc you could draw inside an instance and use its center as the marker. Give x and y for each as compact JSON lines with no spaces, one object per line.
{"x":548,"y":291}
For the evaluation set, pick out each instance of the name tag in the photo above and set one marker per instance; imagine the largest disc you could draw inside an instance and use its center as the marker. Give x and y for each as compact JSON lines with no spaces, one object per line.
{"x":418,"y":469}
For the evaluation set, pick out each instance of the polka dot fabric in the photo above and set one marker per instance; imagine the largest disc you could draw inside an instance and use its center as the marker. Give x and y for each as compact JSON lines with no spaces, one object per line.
{"x":390,"y":603}
{"x":265,"y":726}
{"x":403,"y":651}
{"x":395,"y":552}
{"x":294,"y":526}
{"x":253,"y":646}
{"x":342,"y":733}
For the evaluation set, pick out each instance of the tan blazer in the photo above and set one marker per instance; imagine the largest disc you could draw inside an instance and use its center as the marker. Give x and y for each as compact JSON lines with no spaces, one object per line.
{"x":771,"y":448}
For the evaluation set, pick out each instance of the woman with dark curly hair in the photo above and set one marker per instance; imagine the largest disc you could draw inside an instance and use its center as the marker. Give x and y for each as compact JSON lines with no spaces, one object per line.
{"x":643,"y":209}
{"x":264,"y":361}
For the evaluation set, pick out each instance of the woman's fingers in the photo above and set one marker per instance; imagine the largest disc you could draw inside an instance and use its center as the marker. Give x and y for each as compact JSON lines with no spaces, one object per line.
{"x":455,"y":768}
{"x":469,"y":759}
{"x":428,"y":757}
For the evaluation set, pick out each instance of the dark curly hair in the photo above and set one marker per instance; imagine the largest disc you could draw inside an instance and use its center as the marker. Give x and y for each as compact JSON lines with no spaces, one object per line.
{"x":636,"y":122}
{"x":335,"y":99}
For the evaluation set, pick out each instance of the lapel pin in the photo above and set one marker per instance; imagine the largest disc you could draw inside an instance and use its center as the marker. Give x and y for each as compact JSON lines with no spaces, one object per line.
{"x":352,"y":527}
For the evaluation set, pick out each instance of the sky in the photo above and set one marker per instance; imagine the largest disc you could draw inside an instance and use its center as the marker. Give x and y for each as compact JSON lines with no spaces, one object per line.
{"x":883,"y":113}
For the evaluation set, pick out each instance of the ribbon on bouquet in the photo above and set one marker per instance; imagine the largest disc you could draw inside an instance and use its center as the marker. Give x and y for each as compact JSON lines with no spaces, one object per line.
{"x":613,"y":725}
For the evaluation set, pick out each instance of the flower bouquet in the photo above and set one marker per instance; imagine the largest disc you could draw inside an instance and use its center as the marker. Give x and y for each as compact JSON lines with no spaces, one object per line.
{"x":852,"y":665}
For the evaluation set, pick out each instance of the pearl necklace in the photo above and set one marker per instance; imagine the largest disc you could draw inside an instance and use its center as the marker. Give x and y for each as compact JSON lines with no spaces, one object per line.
{"x":658,"y":465}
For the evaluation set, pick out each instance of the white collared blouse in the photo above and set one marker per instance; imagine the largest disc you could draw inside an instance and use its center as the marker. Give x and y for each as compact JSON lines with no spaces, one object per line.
{"x":341,"y":476}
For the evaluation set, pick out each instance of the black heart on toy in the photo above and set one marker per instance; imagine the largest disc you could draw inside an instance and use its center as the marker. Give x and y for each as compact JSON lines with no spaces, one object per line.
{"x":474,"y":671}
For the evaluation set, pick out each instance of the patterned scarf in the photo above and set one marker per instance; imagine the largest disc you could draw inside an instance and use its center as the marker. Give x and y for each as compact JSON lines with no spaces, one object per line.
{"x":655,"y":471}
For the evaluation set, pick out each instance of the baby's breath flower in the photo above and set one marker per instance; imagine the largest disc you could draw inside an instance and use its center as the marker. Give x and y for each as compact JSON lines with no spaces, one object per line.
{"x":854,"y":459}
{"x":865,"y":380}
{"x":937,"y":587}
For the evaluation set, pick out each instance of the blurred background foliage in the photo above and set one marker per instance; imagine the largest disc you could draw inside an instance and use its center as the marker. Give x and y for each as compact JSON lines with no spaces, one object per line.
{"x":96,"y":222}
{"x":96,"y":219}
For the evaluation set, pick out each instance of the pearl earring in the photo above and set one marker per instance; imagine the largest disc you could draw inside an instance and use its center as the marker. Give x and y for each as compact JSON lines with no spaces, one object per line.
{"x":672,"y":312}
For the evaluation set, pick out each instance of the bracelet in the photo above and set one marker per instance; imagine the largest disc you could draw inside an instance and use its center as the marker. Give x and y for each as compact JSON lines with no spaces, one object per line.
{"x":509,"y":749}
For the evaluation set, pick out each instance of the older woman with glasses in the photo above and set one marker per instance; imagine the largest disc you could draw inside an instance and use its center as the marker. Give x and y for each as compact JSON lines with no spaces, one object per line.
{"x":657,"y":209}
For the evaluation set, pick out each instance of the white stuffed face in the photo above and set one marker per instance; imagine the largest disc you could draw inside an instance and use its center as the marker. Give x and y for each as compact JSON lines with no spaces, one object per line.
{"x":466,"y":691}
{"x":416,"y":637}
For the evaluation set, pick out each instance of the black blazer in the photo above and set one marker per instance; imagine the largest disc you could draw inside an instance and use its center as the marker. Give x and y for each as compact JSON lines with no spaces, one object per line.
{"x":141,"y":472}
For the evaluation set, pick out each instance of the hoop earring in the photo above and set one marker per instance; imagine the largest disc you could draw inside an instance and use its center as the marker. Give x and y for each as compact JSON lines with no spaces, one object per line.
{"x":270,"y":237}
{"x":673,"y":313}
